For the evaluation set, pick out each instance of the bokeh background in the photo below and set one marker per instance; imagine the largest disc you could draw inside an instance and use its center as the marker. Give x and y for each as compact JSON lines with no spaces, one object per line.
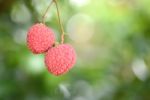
{"x":112,"y":40}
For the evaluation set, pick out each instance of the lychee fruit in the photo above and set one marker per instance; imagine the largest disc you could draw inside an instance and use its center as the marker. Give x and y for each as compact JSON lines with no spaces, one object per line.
{"x":40,"y":38}
{"x":60,"y":59}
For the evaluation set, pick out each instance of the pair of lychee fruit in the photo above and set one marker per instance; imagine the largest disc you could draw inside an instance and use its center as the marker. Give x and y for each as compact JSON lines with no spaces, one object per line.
{"x":59,"y":58}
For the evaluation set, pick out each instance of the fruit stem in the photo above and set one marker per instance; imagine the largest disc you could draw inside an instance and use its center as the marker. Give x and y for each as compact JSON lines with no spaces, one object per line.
{"x":60,"y":22}
{"x":44,"y":15}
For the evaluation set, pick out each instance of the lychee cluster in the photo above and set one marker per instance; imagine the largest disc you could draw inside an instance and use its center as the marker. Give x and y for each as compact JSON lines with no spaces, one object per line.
{"x":60,"y":58}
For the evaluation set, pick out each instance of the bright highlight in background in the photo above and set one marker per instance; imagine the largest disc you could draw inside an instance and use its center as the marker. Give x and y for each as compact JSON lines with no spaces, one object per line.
{"x":79,"y":3}
{"x":140,"y":69}
{"x":35,"y":64}
{"x":80,"y":28}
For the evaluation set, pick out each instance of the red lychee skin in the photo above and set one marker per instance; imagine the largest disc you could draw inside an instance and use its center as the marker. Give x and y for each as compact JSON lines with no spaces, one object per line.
{"x":40,"y":38}
{"x":60,"y":59}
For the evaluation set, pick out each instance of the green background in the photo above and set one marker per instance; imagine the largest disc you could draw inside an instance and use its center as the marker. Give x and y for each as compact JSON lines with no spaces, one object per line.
{"x":111,"y":38}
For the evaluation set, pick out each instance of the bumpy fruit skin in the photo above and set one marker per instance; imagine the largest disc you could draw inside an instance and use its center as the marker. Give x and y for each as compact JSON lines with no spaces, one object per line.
{"x":40,"y":38}
{"x":60,"y":59}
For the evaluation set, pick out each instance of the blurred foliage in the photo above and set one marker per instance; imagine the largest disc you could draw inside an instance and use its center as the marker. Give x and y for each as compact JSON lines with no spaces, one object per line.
{"x":112,"y":40}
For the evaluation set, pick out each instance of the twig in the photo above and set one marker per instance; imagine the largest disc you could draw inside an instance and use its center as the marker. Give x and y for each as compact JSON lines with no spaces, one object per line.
{"x":44,"y":15}
{"x":60,"y":23}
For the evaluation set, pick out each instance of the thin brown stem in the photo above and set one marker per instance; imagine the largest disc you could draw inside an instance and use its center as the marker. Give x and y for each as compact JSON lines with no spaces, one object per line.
{"x":60,"y":22}
{"x":44,"y":15}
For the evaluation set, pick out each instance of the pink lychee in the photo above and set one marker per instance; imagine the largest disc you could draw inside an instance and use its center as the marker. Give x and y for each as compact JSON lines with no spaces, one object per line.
{"x":60,"y":59}
{"x":40,"y":38}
